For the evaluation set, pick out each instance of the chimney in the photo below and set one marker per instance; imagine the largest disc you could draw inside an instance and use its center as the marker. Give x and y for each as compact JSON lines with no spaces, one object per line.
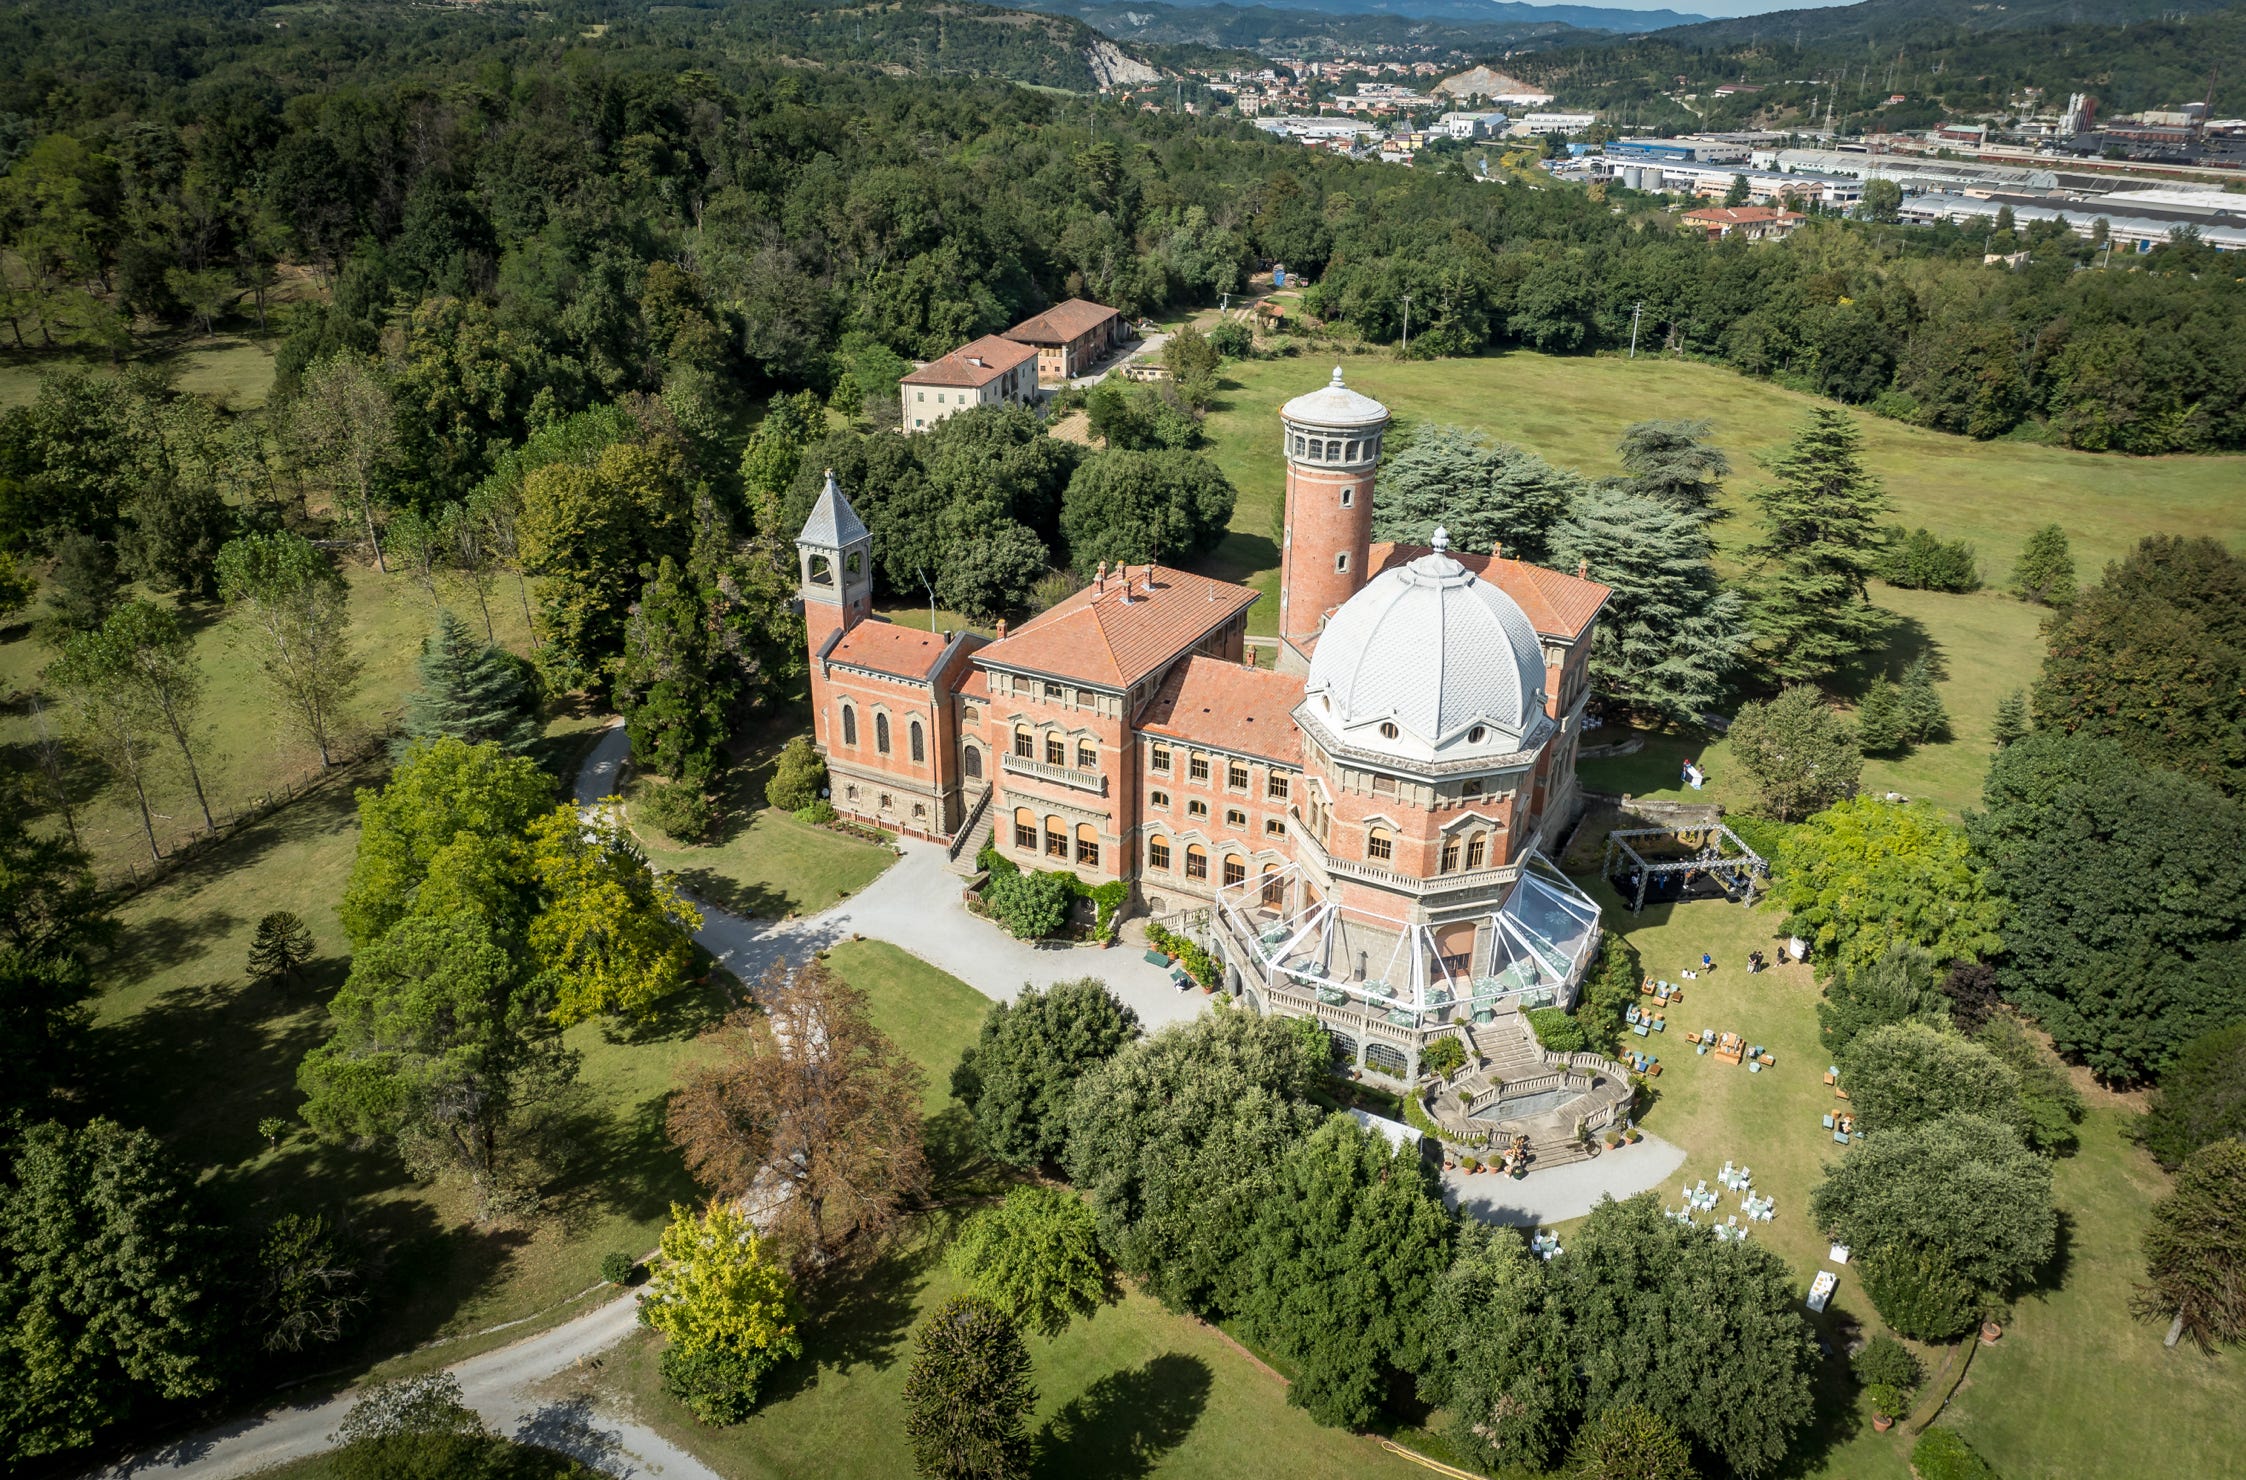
{"x":1100,"y":581}
{"x":1583,"y":569}
{"x":1497,"y":550}
{"x":1001,"y":629}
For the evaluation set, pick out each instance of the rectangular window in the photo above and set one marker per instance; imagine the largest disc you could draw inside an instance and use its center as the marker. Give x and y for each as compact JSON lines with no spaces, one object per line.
{"x":1348,"y":497}
{"x":1385,"y":785}
{"x":1275,"y":786}
{"x":1056,"y":752}
{"x":1025,"y":836}
{"x":1158,"y":853}
{"x":1087,"y":756}
{"x":1054,"y":692}
{"x":1024,"y":747}
{"x":1088,"y":852}
{"x":1235,"y":872}
{"x":1197,"y":768}
{"x":1341,"y":562}
{"x":1377,"y":845}
{"x":1161,"y":758}
{"x":1236,"y":775}
{"x":921,"y":397}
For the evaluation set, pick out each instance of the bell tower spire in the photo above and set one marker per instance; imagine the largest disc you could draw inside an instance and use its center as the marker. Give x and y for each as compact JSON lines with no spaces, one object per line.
{"x":834,"y":556}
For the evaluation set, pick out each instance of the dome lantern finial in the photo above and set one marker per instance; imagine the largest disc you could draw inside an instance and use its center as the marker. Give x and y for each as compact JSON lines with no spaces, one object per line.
{"x":1441,"y":540}
{"x":1337,"y":376}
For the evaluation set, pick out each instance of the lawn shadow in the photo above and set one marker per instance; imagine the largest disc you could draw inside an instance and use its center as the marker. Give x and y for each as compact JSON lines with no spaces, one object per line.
{"x":624,"y":1164}
{"x":861,"y":1315}
{"x":2053,"y":1275}
{"x":1240,"y":555}
{"x":1907,"y":641}
{"x":1124,"y":1424}
{"x":679,"y":1018}
{"x":754,"y":901}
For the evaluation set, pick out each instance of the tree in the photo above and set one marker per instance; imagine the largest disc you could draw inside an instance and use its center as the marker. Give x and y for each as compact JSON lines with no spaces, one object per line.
{"x":345,"y":428}
{"x":1131,"y":508}
{"x":807,"y":1105}
{"x":1888,"y":1373}
{"x":2044,"y":572}
{"x":990,"y":565}
{"x":1036,"y":1256}
{"x":1674,"y":462}
{"x":445,"y":831}
{"x":1176,"y":1141}
{"x":2050,"y":1106}
{"x":2125,"y":933}
{"x":613,"y":935}
{"x":968,"y":1394}
{"x":1865,"y":873}
{"x":95,"y":676}
{"x":1879,"y":718}
{"x":417,"y":1428}
{"x":1031,"y":905}
{"x":1801,"y":754}
{"x":1016,"y":1080}
{"x":1738,"y":192}
{"x":2154,"y":656}
{"x":2011,"y":720}
{"x":1907,"y":1073}
{"x":1883,"y":201}
{"x":590,"y":528}
{"x":157,"y":659}
{"x":1191,"y":359}
{"x":798,"y":776}
{"x":1971,"y":987}
{"x":1669,"y":635}
{"x":1919,"y":704}
{"x":666,"y":685}
{"x":17,"y":586}
{"x":1486,"y":494}
{"x":2201,"y":1098}
{"x":1896,"y":986}
{"x":1498,"y":1359}
{"x":299,"y":610}
{"x":1337,"y":1267}
{"x":82,"y":584}
{"x":106,"y":1286}
{"x":2195,"y":1249}
{"x":54,"y":924}
{"x":725,"y":1302}
{"x":282,"y":946}
{"x":440,"y":1045}
{"x":470,"y":691}
{"x":1629,"y":1443}
{"x":175,"y":526}
{"x":1821,"y":542}
{"x":308,"y":1288}
{"x":1918,"y":1292}
{"x":1963,"y":1190}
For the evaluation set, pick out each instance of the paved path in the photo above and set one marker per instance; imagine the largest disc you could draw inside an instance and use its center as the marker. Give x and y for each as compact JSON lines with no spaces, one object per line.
{"x":1560,"y":1193}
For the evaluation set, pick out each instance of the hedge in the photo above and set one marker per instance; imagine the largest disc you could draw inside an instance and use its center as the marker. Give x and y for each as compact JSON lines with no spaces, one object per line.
{"x":1941,"y":1455}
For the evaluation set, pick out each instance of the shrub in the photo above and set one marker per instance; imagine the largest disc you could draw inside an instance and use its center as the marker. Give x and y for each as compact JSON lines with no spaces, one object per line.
{"x":1232,"y":340}
{"x":618,"y":1269}
{"x":1941,"y":1455}
{"x":1558,"y":1031}
{"x":1921,"y":561}
{"x":797,"y":777}
{"x":1443,"y":1058}
{"x":716,"y":1384}
{"x":994,"y":863}
{"x":818,"y":814}
{"x":2201,"y":1098}
{"x":1885,"y":1362}
{"x":1919,"y":1294}
{"x":1030,"y":906}
{"x":680,"y":810}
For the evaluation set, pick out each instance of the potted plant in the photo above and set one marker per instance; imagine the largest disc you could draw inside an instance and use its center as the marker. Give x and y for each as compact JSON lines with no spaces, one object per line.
{"x":1990,"y":1331}
{"x":1886,"y":1403}
{"x":1469,"y":1164}
{"x":1890,"y":1375}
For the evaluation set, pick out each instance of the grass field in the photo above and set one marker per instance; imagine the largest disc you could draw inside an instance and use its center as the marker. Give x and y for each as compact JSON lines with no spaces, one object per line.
{"x":232,"y":369}
{"x":1571,"y":411}
{"x":2077,"y":1387}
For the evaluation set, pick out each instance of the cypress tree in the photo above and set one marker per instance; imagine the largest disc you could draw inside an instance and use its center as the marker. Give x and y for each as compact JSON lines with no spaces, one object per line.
{"x":470,"y":691}
{"x":1924,"y":717}
{"x":1821,"y":542}
{"x":2011,"y":718}
{"x":1880,"y":724}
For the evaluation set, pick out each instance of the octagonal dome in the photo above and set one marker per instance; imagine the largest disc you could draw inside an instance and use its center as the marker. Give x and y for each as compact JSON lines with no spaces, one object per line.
{"x":1335,"y":405}
{"x":1429,"y":662}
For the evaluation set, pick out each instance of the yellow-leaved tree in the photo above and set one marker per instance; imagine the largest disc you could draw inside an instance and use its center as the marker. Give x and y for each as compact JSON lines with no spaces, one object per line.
{"x":727,"y":1306}
{"x":615,"y":936}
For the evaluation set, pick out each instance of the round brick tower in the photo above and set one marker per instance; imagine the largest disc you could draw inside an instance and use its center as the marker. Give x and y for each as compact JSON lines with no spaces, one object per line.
{"x":1332,"y":447}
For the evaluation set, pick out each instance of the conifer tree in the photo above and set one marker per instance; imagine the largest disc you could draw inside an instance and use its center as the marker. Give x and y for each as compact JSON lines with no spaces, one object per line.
{"x":2011,"y":718}
{"x":1821,"y":542}
{"x":1669,"y":634}
{"x":2045,"y":570}
{"x":470,"y":691}
{"x":1879,"y":718}
{"x":1486,"y":493}
{"x":1672,"y":461}
{"x":665,"y":685}
{"x":1920,"y":704}
{"x":282,"y":945}
{"x":969,"y":1394}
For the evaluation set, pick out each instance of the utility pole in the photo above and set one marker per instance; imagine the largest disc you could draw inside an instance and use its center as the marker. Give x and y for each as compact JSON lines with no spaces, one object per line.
{"x":1407,"y":323}
{"x":1641,"y":308}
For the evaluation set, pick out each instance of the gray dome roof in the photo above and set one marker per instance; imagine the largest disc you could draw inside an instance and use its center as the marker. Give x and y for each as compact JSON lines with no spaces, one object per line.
{"x":1335,"y":405}
{"x":1437,"y":651}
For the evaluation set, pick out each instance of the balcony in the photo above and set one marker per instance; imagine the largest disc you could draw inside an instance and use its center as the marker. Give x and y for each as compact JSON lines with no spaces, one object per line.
{"x":1388,"y":878}
{"x":1091,"y":781}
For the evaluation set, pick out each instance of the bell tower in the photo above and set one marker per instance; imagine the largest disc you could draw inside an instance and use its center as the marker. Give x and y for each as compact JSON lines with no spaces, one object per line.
{"x":834,"y":558}
{"x":1331,"y":442}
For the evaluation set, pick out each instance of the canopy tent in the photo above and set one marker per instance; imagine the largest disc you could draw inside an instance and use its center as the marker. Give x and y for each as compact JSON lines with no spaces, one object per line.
{"x":1680,"y":862}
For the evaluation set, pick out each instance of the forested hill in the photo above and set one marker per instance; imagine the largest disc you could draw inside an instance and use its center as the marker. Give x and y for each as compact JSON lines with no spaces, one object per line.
{"x":97,"y":58}
{"x":1290,"y":29}
{"x":1893,"y":22}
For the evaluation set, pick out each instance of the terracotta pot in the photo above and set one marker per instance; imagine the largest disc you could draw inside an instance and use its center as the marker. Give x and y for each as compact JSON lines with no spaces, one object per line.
{"x":1881,"y":1423}
{"x":1990,"y":1331}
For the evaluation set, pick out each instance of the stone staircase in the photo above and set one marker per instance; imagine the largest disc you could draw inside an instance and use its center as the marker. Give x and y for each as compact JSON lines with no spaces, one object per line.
{"x":1503,"y":1052}
{"x":974,"y":834}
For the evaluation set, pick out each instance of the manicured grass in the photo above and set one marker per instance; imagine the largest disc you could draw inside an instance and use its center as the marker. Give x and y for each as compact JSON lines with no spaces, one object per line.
{"x":2076,"y":1387}
{"x":930,"y":1014}
{"x":1572,"y":410}
{"x":234,"y":370}
{"x":247,"y":748}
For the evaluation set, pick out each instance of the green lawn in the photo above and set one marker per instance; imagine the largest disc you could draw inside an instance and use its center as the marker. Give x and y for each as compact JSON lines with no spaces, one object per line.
{"x":234,"y":370}
{"x":2046,"y":1399}
{"x":1571,"y":411}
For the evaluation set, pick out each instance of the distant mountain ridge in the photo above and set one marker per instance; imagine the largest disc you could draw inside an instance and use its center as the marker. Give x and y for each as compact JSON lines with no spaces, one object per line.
{"x":1879,"y":21}
{"x":1494,"y":13}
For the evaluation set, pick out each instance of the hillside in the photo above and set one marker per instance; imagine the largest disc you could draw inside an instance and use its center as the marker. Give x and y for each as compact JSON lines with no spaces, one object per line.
{"x":1895,"y":21}
{"x":1274,"y":31}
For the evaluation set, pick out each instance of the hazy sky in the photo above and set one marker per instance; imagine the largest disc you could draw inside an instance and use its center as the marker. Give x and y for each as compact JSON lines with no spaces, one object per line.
{"x":1715,"y":7}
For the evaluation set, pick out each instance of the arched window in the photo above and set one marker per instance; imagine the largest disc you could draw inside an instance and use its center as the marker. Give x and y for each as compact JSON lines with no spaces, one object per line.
{"x":1450,"y":855}
{"x":822,"y":571}
{"x":1087,"y":756}
{"x":1477,"y":850}
{"x":1235,"y":869}
{"x":849,"y":726}
{"x":1196,"y":861}
{"x":1087,"y":845}
{"x":1158,"y":853}
{"x":881,"y":733}
{"x":1025,"y":743}
{"x":1234,"y":817}
{"x":919,"y":745}
{"x":1379,"y":846}
{"x":1349,"y":495}
{"x":1056,"y":749}
{"x":1056,"y":838}
{"x":971,"y":761}
{"x":1025,"y":829}
{"x":1274,"y":887}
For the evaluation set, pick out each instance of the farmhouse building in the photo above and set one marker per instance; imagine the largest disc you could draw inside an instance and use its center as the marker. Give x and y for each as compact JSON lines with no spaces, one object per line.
{"x":1070,"y":338}
{"x":990,"y":372}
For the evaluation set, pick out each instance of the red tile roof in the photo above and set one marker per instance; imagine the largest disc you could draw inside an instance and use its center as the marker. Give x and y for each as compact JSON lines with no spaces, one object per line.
{"x":1556,"y":605}
{"x":1220,"y":704}
{"x":885,"y":647}
{"x":974,"y":364}
{"x":1097,"y":637}
{"x":1063,"y":323}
